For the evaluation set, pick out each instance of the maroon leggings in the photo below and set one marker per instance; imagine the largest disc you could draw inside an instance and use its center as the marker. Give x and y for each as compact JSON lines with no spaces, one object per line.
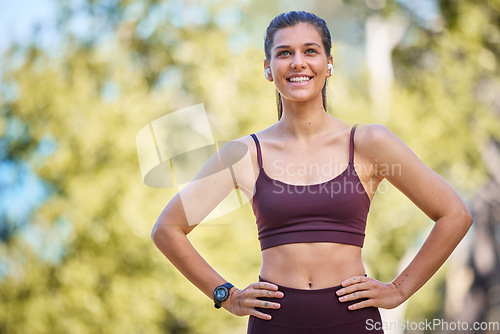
{"x":314,"y":312}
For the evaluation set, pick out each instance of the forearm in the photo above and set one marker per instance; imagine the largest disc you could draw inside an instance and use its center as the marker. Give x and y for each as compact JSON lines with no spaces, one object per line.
{"x":181,"y":253}
{"x":447,"y":232}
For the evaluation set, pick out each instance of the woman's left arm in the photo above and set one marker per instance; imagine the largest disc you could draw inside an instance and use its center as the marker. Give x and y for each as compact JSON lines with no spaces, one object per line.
{"x":402,"y":168}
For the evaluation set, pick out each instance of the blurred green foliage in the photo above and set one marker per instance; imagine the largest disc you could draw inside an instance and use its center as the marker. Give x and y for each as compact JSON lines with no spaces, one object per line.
{"x":142,"y":59}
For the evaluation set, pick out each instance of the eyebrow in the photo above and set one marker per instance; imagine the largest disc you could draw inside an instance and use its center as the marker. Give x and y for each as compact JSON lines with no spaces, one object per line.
{"x":287,"y":46}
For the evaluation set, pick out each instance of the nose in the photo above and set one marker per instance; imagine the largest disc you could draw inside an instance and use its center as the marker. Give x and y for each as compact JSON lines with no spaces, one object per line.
{"x":298,"y":61}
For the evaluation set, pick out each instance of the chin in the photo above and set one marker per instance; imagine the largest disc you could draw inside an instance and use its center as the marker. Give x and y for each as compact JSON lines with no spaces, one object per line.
{"x":299,"y":97}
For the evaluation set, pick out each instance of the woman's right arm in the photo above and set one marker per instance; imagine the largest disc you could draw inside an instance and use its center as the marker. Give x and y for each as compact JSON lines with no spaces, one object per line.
{"x":188,"y":208}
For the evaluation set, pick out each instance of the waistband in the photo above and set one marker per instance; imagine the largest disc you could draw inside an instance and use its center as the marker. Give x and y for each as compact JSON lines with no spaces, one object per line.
{"x":285,"y":289}
{"x":308,"y":309}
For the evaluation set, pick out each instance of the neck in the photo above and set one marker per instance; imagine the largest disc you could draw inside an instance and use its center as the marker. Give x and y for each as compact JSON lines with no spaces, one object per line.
{"x":303,"y":119}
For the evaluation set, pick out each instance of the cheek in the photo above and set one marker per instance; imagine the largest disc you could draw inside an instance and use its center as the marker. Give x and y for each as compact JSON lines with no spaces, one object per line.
{"x":279,"y":68}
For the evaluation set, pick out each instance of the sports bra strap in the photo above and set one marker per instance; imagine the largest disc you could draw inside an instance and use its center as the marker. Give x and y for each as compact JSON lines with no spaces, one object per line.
{"x":259,"y":153}
{"x":351,"y":147}
{"x":351,"y":144}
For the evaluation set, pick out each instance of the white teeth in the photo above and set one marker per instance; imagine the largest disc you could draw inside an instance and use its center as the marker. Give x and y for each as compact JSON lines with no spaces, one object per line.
{"x":299,"y":79}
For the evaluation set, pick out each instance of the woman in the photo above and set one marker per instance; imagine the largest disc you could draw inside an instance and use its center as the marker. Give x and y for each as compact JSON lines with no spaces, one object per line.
{"x":311,"y":178}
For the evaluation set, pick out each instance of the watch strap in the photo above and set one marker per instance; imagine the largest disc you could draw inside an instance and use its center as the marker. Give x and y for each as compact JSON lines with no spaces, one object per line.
{"x":228,"y":286}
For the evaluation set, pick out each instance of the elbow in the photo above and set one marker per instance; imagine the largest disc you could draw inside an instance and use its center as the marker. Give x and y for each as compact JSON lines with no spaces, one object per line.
{"x":153,"y":233}
{"x":165,"y":237}
{"x":460,"y":218}
{"x":159,"y":235}
{"x":465,"y":218}
{"x":469,"y":219}
{"x":160,"y":230}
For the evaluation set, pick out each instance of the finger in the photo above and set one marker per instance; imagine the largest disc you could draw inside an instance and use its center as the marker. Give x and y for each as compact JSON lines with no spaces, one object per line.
{"x":355,"y":280}
{"x":353,"y":288}
{"x":363,"y":304}
{"x":354,"y":296}
{"x":265,"y":286}
{"x":267,"y":294}
{"x":265,"y":304}
{"x":260,"y":315}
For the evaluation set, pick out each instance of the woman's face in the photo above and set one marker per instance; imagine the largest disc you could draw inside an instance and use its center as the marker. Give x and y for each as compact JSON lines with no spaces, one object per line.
{"x":299,"y":62}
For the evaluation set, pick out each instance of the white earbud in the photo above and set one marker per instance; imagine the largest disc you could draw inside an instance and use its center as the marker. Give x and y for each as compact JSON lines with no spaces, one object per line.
{"x":330,"y":68}
{"x":267,"y":73}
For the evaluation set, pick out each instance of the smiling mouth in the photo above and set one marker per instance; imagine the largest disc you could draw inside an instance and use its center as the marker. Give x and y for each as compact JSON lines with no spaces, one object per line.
{"x":300,"y":79}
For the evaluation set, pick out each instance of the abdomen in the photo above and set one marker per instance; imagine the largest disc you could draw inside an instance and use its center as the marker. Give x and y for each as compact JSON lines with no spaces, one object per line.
{"x":315,"y":265}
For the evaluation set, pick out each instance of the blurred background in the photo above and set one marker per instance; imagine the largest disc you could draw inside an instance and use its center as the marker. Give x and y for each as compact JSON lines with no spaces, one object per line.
{"x":80,"y":78}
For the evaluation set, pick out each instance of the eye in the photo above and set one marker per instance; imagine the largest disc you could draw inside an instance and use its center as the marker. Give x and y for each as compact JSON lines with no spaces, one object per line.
{"x":283,"y":53}
{"x":313,"y":51}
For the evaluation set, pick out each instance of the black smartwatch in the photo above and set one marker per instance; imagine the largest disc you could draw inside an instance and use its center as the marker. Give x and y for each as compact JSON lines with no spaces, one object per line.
{"x":221,"y":293}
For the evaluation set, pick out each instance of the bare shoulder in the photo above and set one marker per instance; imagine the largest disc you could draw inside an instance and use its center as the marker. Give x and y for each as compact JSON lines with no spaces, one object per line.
{"x":247,"y":140}
{"x":378,"y":147}
{"x":241,"y":155}
{"x":249,"y":143}
{"x":262,"y":136}
{"x":376,"y":140}
{"x":373,"y":134}
{"x":397,"y":163}
{"x":236,"y":146}
{"x":245,"y":143}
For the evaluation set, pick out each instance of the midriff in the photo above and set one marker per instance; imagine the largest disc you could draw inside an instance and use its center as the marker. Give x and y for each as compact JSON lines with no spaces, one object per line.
{"x":315,"y":265}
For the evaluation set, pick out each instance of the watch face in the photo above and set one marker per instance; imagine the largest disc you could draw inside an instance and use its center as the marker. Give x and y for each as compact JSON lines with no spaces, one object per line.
{"x":221,"y":293}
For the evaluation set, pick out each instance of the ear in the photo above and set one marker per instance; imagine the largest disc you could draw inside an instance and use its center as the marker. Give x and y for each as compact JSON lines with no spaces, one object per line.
{"x":267,"y":71}
{"x":329,"y":71}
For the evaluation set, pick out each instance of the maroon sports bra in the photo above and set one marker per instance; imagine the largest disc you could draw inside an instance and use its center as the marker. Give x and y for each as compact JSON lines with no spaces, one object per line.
{"x":332,"y":211}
